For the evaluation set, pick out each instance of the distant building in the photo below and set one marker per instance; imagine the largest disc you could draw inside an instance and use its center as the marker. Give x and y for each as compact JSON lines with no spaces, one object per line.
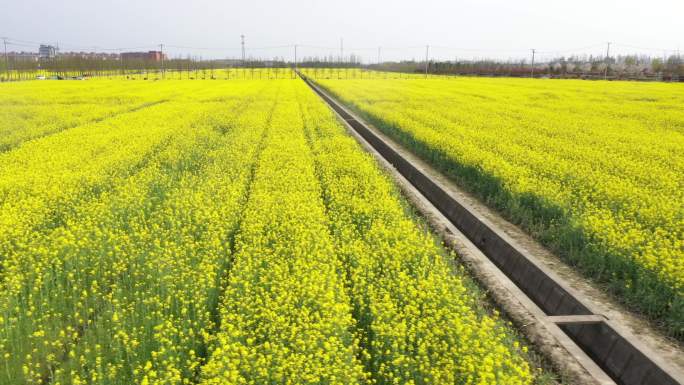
{"x":47,"y":51}
{"x":90,"y":55}
{"x":145,"y":56}
{"x":23,"y":56}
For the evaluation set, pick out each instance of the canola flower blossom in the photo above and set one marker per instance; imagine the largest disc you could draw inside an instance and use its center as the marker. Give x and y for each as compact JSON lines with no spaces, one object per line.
{"x":222,"y":233}
{"x":592,"y":169}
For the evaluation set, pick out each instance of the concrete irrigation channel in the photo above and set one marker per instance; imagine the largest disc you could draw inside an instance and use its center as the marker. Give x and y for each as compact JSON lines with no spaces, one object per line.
{"x":587,"y":338}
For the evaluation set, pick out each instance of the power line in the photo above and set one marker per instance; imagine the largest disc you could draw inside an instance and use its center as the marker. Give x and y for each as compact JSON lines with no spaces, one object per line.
{"x":317,"y":46}
{"x":572,"y":49}
{"x":477,"y":49}
{"x":640,"y":48}
{"x":28,"y":43}
{"x":203,"y":48}
{"x":23,"y":41}
{"x":272,"y":47}
{"x":230,"y":48}
{"x":341,"y":47}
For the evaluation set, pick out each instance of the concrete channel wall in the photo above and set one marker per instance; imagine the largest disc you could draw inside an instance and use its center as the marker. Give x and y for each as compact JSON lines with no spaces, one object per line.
{"x":600,"y":351}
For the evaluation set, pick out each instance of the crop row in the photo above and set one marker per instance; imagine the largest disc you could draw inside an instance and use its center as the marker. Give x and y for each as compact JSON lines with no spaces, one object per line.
{"x":286,"y":314}
{"x":120,"y":278}
{"x":32,"y":110}
{"x":235,"y":235}
{"x":417,"y":319}
{"x":594,"y":170}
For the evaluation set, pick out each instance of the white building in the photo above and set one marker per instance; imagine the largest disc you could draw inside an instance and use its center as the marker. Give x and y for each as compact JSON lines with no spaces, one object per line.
{"x":47,"y":51}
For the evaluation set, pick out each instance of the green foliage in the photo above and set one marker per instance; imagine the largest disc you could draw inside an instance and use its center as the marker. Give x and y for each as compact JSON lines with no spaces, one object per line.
{"x":593,"y":169}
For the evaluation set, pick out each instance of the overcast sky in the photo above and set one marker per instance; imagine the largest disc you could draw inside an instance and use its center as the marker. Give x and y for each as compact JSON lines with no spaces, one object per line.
{"x":456,"y":28}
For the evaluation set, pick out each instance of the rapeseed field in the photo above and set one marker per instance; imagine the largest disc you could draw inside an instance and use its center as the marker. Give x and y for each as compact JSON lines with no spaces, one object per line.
{"x":220,"y":232}
{"x":595,"y":170}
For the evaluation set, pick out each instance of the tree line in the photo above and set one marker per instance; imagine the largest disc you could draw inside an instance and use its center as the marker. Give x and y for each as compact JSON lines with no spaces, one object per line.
{"x":621,"y":67}
{"x":626,"y":67}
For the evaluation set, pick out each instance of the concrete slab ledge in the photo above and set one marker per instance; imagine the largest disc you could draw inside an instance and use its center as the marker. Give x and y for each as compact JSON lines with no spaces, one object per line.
{"x":583,"y":345}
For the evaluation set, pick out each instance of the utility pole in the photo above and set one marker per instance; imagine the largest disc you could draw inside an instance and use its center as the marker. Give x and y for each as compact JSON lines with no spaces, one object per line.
{"x":4,"y":40}
{"x":242,"y":38}
{"x":161,"y":54}
{"x":427,"y":54}
{"x":378,"y":56}
{"x":605,"y":74}
{"x":678,"y":66}
{"x":533,"y":52}
{"x":295,"y":57}
{"x":342,"y":50}
{"x":121,"y":62}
